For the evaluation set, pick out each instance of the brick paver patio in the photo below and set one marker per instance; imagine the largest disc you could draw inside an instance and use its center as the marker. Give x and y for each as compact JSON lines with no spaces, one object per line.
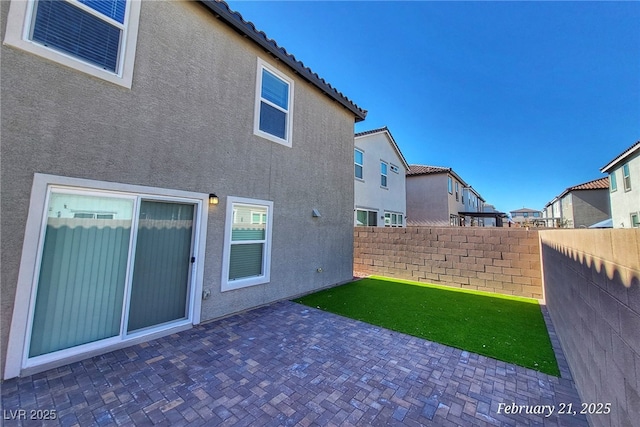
{"x":287,"y":364}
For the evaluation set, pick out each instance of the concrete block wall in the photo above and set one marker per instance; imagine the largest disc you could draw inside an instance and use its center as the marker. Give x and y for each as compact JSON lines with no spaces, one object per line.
{"x":488,"y":259}
{"x":592,"y":289}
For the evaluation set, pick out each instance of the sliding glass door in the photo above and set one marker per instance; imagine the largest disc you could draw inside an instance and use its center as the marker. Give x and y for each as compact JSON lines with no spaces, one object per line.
{"x":161,"y":271}
{"x":110,"y":265}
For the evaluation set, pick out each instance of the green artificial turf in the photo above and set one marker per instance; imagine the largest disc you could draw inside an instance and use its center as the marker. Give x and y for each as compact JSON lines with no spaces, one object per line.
{"x":503,"y":327}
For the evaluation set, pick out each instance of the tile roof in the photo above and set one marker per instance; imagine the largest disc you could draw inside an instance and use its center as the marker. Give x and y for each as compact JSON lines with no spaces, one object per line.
{"x":222,"y":11}
{"x":626,"y":153}
{"x":525,"y":210}
{"x":393,"y":141}
{"x":426,"y":170}
{"x":596,"y":184}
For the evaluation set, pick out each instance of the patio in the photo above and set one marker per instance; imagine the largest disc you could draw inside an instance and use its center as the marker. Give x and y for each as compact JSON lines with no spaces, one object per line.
{"x":286,"y":364}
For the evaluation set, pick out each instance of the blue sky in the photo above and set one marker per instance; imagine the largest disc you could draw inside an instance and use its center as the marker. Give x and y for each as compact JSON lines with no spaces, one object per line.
{"x":521,"y":99}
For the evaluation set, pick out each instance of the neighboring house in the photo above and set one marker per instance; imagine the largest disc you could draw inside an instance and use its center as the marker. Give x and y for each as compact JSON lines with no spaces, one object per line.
{"x":552,"y":213}
{"x":527,"y":217}
{"x":118,"y":144}
{"x":436,"y":197}
{"x":579,"y":206}
{"x":496,"y":219}
{"x":379,"y":180}
{"x":624,"y":178}
{"x":472,"y":204}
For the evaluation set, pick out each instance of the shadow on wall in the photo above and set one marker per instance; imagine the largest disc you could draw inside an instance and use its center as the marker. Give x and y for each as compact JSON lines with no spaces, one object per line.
{"x":592,"y":290}
{"x":610,"y":270}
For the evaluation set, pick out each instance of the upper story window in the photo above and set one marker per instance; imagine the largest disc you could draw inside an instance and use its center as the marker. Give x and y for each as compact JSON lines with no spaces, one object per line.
{"x":457,"y":191}
{"x":626,"y":177}
{"x":612,"y":181}
{"x":394,"y":168}
{"x":383,"y":174}
{"x":274,"y":104}
{"x":358,"y":163}
{"x":97,"y":37}
{"x":635,"y":220}
{"x":450,"y":185}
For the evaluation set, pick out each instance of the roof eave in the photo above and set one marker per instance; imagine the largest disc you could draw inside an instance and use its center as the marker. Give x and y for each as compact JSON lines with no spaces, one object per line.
{"x":623,"y":156}
{"x":235,"y":21}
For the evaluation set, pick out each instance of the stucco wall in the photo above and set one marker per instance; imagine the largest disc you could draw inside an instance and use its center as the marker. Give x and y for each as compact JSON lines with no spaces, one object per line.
{"x":623,"y":203}
{"x":427,"y":200}
{"x":592,"y":288}
{"x":495,"y":260}
{"x":589,"y":207}
{"x":369,"y":194}
{"x":186,"y":124}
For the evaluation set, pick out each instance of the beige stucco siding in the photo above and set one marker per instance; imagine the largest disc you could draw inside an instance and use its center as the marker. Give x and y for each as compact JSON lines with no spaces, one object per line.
{"x":186,"y":124}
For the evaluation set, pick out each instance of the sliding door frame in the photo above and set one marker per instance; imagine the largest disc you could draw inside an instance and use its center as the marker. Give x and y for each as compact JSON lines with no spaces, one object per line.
{"x":17,"y":360}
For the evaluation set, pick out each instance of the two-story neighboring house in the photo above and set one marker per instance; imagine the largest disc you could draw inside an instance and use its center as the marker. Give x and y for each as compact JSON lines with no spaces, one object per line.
{"x":435,"y":196}
{"x":527,"y":217}
{"x":624,"y":182}
{"x":379,"y":180}
{"x":152,"y":155}
{"x":579,"y":206}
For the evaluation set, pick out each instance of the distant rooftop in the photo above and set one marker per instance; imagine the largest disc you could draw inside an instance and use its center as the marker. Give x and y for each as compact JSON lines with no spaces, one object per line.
{"x":222,"y":11}
{"x":427,"y":170}
{"x":524,"y":210}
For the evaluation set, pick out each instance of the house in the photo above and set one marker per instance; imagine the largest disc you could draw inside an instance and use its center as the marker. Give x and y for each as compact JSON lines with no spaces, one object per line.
{"x":437,"y":196}
{"x":527,"y":217}
{"x":379,"y":180}
{"x":496,"y":218}
{"x":168,"y":166}
{"x":552,"y":213}
{"x":473,"y":204}
{"x":579,"y":206}
{"x":624,"y":182}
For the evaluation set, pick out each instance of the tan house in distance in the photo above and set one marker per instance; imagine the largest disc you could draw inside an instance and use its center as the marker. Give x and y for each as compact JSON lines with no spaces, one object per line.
{"x":438,"y":196}
{"x":579,"y":206}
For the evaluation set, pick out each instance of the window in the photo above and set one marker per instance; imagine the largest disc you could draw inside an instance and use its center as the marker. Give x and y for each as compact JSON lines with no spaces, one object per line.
{"x":626,"y":177}
{"x":635,"y":220}
{"x":365,"y":218}
{"x":612,"y":181}
{"x":131,"y":274}
{"x":257,"y":217}
{"x":536,"y":214}
{"x":450,"y":185}
{"x":359,"y":163}
{"x":274,"y":103}
{"x":383,"y":174}
{"x":393,"y":219}
{"x":247,"y":250}
{"x":457,"y":191}
{"x":525,"y":214}
{"x":95,"y":37}
{"x":394,"y":168}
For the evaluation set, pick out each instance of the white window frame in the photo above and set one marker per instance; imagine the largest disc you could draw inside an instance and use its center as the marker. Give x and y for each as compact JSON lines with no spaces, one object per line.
{"x":637,"y":215}
{"x":17,"y":362}
{"x":369,"y":212}
{"x":20,"y":21}
{"x":225,"y":283}
{"x":450,"y":185}
{"x":384,"y":175}
{"x":626,"y":179}
{"x":355,"y":163}
{"x":262,"y":65}
{"x":262,"y":220}
{"x":613,"y":182}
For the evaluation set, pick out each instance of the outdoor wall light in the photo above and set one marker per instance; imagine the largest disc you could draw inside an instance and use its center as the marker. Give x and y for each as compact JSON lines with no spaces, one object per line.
{"x":213,"y":199}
